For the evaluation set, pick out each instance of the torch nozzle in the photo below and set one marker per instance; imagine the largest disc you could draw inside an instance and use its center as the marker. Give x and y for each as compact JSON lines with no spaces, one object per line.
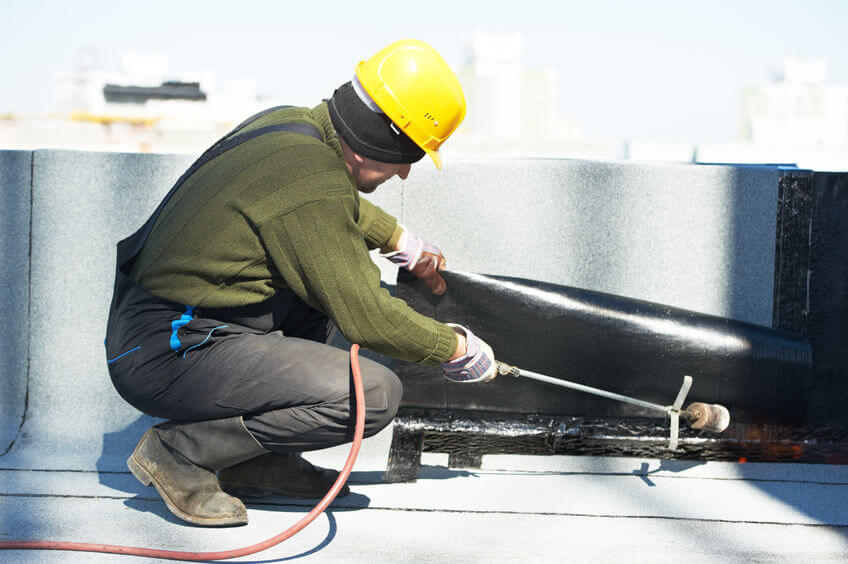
{"x":709,"y":417}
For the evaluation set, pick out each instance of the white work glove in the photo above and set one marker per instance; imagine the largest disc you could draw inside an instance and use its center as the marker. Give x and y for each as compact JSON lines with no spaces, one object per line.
{"x":421,"y":258}
{"x":476,"y":365}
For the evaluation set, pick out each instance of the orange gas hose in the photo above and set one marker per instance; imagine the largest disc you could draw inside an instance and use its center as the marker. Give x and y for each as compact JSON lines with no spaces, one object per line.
{"x":225,"y":554}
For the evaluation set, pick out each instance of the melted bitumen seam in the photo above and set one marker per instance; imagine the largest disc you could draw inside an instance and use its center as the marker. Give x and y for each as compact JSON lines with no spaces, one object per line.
{"x":488,"y":471}
{"x":338,"y":506}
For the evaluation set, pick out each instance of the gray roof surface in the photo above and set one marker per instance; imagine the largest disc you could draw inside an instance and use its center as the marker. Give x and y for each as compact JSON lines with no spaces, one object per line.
{"x":64,"y":432}
{"x":514,"y":508}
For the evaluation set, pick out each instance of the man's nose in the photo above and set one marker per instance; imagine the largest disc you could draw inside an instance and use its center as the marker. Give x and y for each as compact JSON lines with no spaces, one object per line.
{"x":403,"y":172}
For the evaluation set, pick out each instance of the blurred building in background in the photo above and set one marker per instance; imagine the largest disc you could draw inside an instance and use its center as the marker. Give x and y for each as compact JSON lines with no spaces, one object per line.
{"x":797,"y":107}
{"x":142,"y":107}
{"x":797,"y":118}
{"x":512,"y":109}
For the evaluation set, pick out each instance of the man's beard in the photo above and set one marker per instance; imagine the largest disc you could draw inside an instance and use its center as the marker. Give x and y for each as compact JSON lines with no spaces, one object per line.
{"x":366,"y":186}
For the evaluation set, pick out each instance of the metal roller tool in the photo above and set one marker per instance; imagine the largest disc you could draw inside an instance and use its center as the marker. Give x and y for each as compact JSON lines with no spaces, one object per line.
{"x":709,"y":417}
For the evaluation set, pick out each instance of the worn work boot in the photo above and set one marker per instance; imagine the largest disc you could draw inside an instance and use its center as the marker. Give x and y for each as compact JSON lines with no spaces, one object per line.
{"x":277,"y":473}
{"x":180,"y":460}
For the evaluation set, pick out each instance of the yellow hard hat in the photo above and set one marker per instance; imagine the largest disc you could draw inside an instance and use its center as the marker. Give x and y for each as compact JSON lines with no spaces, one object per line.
{"x":417,"y":90}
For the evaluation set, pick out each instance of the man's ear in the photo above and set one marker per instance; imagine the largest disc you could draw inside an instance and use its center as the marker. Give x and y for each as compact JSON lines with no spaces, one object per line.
{"x":351,"y":157}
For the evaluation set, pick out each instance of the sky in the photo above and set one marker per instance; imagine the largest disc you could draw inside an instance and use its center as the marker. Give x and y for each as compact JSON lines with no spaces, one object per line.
{"x":650,"y":70}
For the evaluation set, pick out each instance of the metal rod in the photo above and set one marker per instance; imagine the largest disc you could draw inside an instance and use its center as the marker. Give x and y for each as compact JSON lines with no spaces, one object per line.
{"x":590,"y":390}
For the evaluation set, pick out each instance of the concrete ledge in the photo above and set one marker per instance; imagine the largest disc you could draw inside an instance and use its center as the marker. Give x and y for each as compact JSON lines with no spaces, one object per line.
{"x":690,"y":236}
{"x":693,"y":236}
{"x":83,"y":203}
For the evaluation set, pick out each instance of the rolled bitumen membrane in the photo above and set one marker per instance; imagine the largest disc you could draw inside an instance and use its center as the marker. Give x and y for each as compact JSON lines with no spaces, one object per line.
{"x":627,"y":346}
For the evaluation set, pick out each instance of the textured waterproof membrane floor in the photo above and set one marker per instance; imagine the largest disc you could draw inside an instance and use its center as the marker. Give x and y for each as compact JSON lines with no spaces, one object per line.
{"x":514,"y":508}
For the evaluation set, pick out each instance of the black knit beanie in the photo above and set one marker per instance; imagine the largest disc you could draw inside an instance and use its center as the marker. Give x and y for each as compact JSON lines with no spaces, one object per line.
{"x":369,"y":133}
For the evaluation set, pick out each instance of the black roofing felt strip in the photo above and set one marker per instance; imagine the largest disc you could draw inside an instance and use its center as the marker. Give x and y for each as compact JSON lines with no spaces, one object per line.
{"x":792,"y":251}
{"x":827,"y":325}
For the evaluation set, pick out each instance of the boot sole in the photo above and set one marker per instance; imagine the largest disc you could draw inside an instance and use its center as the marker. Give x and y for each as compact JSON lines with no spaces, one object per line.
{"x":146,"y":479}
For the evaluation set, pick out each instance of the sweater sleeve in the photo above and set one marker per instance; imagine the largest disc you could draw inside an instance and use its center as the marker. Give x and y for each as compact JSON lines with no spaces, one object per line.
{"x":321,"y":252}
{"x":381,"y":230}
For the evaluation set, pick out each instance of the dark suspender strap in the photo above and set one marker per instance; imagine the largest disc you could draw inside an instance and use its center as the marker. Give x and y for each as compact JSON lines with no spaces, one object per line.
{"x":225,"y":145}
{"x":255,"y":117}
{"x":222,"y":146}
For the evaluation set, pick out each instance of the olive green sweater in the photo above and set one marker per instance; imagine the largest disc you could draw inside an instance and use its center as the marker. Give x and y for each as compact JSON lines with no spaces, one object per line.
{"x":282,"y":210}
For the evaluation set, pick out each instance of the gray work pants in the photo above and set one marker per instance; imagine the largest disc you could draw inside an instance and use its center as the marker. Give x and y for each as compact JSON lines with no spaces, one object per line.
{"x":294,"y":391}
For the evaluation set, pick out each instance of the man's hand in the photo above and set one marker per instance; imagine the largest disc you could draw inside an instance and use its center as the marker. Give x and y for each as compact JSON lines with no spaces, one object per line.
{"x":422,"y":259}
{"x":475,"y":364}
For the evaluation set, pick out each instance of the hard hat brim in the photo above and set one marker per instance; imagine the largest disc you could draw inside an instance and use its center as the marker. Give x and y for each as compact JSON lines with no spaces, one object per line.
{"x":437,"y":158}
